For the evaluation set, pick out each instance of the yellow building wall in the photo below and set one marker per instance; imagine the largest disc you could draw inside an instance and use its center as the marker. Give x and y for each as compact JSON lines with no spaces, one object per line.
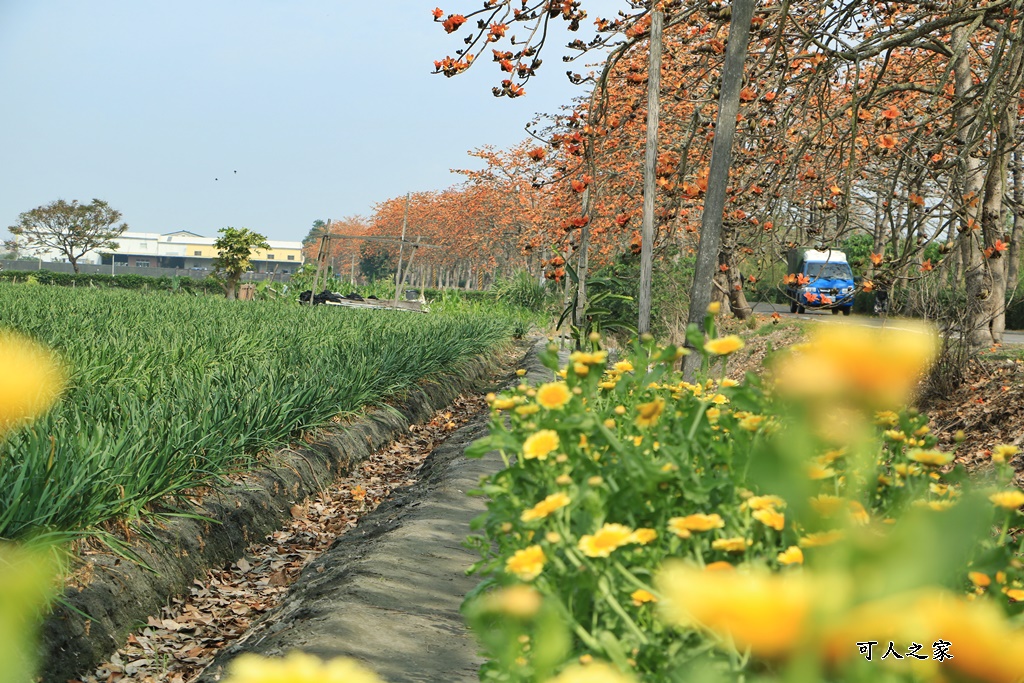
{"x":279,"y":255}
{"x":205,"y":251}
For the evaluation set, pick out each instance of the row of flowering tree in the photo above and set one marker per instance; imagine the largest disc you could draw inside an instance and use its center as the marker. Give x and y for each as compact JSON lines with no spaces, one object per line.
{"x":894,"y":120}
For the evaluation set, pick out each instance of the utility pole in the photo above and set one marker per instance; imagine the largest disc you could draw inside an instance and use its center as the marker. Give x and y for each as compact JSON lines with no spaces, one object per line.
{"x":401,"y":248}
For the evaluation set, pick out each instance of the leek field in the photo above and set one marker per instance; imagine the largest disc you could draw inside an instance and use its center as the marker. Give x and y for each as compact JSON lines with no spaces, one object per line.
{"x":167,"y":392}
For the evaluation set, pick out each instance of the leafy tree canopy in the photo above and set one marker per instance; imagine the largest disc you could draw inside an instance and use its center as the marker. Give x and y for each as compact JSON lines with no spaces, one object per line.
{"x":70,"y":228}
{"x":234,"y":254}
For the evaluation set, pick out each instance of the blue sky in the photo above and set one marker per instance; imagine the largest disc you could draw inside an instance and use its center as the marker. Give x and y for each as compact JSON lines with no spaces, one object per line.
{"x":322,"y":107}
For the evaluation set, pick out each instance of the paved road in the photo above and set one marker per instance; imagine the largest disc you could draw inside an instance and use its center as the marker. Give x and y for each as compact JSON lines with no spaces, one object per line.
{"x":388,"y":592}
{"x":1010,"y":337}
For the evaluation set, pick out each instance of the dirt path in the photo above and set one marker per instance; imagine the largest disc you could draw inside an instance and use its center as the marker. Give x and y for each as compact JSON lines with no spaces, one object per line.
{"x":388,"y":592}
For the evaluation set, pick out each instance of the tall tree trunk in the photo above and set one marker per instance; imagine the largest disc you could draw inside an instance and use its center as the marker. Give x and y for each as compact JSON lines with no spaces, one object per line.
{"x":721,"y":160}
{"x":993,"y":225}
{"x":582,"y":265}
{"x":733,"y":278}
{"x":972,"y":182}
{"x":1013,"y":253}
{"x":650,"y":166}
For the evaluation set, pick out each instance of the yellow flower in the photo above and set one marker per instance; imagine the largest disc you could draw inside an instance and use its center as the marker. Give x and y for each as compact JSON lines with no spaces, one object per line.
{"x":771,"y":518}
{"x":623,"y":366}
{"x":816,"y":472}
{"x":648,"y":413}
{"x":640,"y":596}
{"x":643,"y":536}
{"x":791,"y":555}
{"x":715,"y":307}
{"x":932,"y":458}
{"x":553,"y":537}
{"x":553,"y":395}
{"x":905,"y":470}
{"x":592,"y":672}
{"x":731,"y":545}
{"x":588,"y":357}
{"x":516,"y":601}
{"x":1015,"y":594}
{"x":504,"y":403}
{"x":297,"y":667}
{"x":581,"y":369}
{"x":1003,"y":451}
{"x":858,"y":513}
{"x":527,"y":563}
{"x":985,"y":646}
{"x":697,"y":522}
{"x":821,"y":538}
{"x":609,"y":423}
{"x":563,"y":480}
{"x":712,"y":414}
{"x":878,"y":367}
{"x":1010,"y":500}
{"x":723,"y":345}
{"x":826,"y":505}
{"x":979,"y":579}
{"x":676,"y":526}
{"x":831,"y":456}
{"x":605,"y":540}
{"x":764,"y":612}
{"x":751,"y":423}
{"x":539,"y":445}
{"x":886,"y":418}
{"x":544,"y":508}
{"x":31,"y":379}
{"x":720,"y":566}
{"x":728,"y":382}
{"x":527,"y":409}
{"x":520,"y":372}
{"x":764,"y":502}
{"x":894,"y":435}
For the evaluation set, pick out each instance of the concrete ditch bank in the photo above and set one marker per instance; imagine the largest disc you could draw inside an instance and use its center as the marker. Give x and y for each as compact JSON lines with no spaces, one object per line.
{"x":119,"y":595}
{"x":388,"y":592}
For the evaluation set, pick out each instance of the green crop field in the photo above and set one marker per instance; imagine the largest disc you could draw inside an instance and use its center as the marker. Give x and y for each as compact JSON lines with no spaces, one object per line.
{"x":167,"y":392}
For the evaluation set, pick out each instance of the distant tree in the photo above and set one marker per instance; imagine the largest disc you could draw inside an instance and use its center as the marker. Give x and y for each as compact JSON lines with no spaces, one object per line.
{"x":315,"y":233}
{"x":71,"y":228}
{"x":234,"y":253}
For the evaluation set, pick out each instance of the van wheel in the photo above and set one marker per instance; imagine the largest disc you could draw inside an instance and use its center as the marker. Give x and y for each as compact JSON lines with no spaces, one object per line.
{"x":801,"y":310}
{"x":792,"y":307}
{"x":847,"y":310}
{"x":835,"y":311}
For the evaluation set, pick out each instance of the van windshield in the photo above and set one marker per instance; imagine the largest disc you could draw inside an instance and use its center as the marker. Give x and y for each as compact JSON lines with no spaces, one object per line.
{"x":828,"y":271}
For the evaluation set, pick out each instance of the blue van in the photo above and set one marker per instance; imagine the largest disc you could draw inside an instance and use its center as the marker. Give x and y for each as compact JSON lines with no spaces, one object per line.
{"x":819,"y":279}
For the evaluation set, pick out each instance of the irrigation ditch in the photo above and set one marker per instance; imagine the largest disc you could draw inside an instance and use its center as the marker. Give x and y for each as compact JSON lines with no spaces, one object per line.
{"x":110,"y":597}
